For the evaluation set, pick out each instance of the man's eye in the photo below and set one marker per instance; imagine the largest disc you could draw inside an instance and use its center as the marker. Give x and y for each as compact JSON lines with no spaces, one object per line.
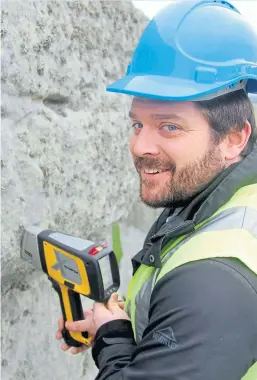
{"x":137,"y":125}
{"x":169,"y":127}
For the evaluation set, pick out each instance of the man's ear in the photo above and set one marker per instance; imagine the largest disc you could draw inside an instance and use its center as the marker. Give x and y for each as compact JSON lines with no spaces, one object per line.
{"x":235,"y":142}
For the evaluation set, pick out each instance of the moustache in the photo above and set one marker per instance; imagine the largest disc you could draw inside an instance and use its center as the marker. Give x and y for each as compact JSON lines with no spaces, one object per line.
{"x":150,"y":163}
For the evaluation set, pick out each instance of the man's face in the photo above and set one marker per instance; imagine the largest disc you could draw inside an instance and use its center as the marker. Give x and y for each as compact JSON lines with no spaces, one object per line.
{"x":173,"y":150}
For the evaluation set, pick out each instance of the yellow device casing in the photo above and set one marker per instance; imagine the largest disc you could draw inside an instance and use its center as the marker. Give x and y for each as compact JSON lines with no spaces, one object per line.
{"x":70,"y":301}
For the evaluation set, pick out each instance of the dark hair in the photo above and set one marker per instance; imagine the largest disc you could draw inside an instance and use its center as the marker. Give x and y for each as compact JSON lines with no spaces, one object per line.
{"x":228,"y":112}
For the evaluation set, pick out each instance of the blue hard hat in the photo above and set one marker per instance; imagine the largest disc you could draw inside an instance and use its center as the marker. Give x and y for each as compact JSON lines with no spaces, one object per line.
{"x":193,"y":50}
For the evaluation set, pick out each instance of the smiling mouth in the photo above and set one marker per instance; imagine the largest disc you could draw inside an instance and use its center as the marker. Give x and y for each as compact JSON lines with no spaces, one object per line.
{"x":154,"y":172}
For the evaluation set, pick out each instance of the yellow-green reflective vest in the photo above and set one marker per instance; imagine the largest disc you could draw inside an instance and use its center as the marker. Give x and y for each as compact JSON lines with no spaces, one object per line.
{"x":231,"y":232}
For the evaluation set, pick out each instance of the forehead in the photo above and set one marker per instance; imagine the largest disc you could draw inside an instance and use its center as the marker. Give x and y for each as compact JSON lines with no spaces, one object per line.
{"x":150,"y":107}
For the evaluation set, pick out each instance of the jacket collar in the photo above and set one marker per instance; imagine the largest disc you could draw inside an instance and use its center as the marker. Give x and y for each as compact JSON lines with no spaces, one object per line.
{"x":204,"y":205}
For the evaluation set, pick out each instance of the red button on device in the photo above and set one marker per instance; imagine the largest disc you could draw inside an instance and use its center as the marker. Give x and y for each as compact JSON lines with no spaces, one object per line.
{"x":95,"y":250}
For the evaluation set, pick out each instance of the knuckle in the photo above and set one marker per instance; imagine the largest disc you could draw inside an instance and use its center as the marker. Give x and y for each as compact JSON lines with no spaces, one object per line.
{"x":79,"y":326}
{"x":74,"y":326}
{"x":82,"y":325}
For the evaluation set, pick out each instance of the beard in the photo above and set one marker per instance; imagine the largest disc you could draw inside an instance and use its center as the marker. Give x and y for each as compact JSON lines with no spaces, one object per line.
{"x":184,"y":183}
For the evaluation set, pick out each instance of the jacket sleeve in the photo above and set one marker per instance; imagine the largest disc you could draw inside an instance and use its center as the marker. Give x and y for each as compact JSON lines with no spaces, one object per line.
{"x":202,"y":325}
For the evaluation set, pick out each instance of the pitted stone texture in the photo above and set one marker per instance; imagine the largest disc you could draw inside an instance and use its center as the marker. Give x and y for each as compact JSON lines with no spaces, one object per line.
{"x":65,"y":159}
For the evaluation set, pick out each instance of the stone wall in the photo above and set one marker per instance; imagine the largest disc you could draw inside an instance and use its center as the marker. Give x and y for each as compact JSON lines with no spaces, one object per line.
{"x":65,"y":160}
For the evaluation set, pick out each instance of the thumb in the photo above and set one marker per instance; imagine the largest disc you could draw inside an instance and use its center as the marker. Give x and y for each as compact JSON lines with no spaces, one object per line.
{"x":113,"y":303}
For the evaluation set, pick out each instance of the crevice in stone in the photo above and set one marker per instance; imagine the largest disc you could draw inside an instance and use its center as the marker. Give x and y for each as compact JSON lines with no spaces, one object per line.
{"x":56,"y":102}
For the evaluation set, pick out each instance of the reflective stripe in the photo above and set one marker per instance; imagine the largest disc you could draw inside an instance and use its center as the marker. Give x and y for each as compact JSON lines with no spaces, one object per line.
{"x":138,"y":280}
{"x":240,"y":244}
{"x":251,"y":374}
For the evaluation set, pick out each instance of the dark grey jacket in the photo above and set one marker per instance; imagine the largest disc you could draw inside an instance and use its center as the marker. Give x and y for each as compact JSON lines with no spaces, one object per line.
{"x":207,"y":310}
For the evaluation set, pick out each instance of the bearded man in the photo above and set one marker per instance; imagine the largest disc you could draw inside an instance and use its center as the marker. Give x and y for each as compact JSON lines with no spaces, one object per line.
{"x":191,"y":306}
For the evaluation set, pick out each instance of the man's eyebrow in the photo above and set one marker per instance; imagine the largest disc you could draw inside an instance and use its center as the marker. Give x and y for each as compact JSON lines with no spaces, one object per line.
{"x":132,"y":115}
{"x":158,"y":116}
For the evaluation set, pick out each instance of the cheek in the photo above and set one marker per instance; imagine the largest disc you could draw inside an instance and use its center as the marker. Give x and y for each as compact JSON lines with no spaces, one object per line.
{"x":185,"y":149}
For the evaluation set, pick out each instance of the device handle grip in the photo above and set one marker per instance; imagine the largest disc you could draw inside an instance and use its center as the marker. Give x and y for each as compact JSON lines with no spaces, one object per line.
{"x":72,"y":311}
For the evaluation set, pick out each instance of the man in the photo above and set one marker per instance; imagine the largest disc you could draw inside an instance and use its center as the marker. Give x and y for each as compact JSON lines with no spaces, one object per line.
{"x":191,"y":307}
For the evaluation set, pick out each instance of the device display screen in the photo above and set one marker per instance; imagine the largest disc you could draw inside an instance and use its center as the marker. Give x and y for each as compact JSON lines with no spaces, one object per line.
{"x":105,"y":268}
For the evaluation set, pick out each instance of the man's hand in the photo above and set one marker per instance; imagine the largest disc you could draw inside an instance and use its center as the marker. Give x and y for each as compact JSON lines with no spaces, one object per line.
{"x":94,"y":319}
{"x":83,"y":325}
{"x":113,"y":310}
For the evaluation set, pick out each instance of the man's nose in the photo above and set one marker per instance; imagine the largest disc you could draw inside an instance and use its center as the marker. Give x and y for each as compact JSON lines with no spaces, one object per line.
{"x":145,"y":143}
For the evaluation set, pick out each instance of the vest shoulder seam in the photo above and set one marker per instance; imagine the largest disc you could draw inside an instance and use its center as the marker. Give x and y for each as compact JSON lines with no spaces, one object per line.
{"x":235,"y":270}
{"x":247,"y":208}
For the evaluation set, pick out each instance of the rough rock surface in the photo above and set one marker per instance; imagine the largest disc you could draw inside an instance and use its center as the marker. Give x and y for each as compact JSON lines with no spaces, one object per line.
{"x":65,"y":160}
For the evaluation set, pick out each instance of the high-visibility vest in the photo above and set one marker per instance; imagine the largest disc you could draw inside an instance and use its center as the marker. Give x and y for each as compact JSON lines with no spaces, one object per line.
{"x":231,"y":232}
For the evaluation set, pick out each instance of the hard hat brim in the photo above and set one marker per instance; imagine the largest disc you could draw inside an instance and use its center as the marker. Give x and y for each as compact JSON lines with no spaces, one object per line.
{"x":169,"y":88}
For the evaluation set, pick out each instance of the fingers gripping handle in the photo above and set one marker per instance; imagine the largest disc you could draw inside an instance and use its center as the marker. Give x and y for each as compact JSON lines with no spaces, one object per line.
{"x":71,"y":311}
